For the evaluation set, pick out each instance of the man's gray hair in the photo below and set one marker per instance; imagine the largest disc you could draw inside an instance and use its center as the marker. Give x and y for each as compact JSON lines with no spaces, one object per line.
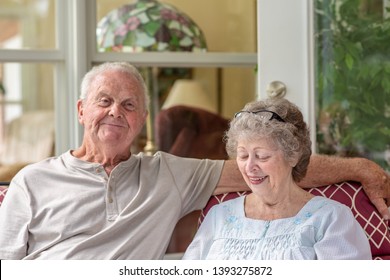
{"x":108,"y":66}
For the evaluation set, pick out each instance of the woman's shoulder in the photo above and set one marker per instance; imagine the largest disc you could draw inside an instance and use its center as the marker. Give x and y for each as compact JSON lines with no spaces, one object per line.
{"x":324,"y":206}
{"x":234,"y":205}
{"x":324,"y":202}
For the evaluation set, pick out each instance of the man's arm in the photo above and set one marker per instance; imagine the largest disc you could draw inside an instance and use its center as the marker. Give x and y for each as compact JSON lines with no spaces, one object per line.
{"x":231,"y":179}
{"x":324,"y":170}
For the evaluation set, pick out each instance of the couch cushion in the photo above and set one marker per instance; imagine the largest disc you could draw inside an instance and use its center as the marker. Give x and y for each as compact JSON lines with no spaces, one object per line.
{"x":3,"y":191}
{"x":350,"y":194}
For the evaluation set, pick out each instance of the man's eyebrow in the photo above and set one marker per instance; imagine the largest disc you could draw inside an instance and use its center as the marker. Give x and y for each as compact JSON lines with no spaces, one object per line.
{"x":102,"y":93}
{"x":131,"y":98}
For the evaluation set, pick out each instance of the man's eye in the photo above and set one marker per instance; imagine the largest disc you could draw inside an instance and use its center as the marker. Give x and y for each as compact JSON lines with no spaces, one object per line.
{"x":104,"y":102}
{"x":129,"y":106}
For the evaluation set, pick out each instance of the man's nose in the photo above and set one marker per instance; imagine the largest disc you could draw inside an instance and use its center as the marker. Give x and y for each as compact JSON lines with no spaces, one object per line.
{"x":115,"y":111}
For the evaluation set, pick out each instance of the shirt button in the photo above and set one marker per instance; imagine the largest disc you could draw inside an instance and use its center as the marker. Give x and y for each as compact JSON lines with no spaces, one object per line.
{"x":110,"y":200}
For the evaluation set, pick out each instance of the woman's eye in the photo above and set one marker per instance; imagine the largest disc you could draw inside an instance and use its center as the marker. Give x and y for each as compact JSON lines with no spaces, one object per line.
{"x":262,"y":158}
{"x":242,"y":157}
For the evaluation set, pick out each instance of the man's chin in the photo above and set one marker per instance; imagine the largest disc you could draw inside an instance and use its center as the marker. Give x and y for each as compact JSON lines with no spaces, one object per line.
{"x":112,"y":138}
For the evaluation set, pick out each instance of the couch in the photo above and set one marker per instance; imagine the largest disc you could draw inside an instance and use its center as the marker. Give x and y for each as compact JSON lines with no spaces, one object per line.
{"x":348,"y":193}
{"x":3,"y":191}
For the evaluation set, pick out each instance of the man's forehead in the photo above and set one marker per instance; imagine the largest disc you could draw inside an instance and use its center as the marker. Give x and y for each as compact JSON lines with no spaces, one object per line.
{"x":116,"y":79}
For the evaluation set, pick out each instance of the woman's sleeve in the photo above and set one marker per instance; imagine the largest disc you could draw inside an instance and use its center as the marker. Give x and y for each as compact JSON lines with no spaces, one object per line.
{"x":204,"y":238}
{"x":341,"y":237}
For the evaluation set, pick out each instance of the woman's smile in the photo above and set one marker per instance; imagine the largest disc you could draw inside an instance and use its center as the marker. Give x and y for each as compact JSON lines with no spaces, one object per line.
{"x":257,"y":180}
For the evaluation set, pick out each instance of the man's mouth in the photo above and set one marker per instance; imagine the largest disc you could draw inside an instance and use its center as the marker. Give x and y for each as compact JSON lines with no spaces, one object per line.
{"x":114,"y":124}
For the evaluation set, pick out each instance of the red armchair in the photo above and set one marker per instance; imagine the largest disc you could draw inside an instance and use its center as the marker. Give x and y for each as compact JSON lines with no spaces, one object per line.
{"x":191,"y":132}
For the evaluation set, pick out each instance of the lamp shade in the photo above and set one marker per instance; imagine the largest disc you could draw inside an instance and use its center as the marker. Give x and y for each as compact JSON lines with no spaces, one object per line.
{"x":148,"y":25}
{"x":190,"y":93}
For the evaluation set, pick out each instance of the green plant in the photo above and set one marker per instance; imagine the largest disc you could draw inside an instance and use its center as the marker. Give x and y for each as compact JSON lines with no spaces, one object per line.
{"x":2,"y":89}
{"x":353,"y":77}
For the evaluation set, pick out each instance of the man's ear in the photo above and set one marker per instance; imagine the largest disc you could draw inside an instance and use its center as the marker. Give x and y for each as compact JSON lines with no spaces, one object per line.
{"x":80,"y":111}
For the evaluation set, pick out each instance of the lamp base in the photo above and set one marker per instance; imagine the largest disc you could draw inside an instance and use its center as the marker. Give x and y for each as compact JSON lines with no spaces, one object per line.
{"x":150,"y":148}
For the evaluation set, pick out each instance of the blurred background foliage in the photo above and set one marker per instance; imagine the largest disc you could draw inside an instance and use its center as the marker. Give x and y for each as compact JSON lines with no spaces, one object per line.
{"x":353,"y":78}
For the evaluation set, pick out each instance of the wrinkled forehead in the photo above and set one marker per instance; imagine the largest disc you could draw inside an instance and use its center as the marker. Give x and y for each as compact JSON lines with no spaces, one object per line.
{"x":116,"y":82}
{"x":117,"y":77}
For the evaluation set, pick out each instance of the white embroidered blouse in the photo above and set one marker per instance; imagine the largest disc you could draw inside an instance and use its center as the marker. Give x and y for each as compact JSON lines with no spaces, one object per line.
{"x":322,"y":229}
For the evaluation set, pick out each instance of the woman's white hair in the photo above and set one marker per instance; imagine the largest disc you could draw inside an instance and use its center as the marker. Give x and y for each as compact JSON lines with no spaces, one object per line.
{"x":290,"y":133}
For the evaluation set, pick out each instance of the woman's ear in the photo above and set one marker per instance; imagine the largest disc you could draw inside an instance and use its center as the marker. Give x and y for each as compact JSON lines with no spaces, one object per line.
{"x":294,"y":160}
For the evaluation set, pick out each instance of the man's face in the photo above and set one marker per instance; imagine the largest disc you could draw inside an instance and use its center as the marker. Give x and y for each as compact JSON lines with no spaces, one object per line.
{"x":114,"y":111}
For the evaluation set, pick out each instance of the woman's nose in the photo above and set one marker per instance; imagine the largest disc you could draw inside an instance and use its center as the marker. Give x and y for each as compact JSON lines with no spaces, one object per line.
{"x":251,"y":165}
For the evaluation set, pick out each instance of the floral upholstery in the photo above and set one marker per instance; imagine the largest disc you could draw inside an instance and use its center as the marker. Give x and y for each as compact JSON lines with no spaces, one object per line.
{"x":350,"y":194}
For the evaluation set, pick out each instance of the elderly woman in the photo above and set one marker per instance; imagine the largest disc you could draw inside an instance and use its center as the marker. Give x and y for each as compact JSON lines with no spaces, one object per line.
{"x":278,"y":220}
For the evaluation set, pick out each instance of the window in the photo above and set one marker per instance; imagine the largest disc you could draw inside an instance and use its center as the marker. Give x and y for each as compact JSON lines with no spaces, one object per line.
{"x":27,"y":77}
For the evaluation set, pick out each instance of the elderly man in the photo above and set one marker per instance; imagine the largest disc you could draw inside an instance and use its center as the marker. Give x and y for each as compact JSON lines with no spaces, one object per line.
{"x":99,"y":201}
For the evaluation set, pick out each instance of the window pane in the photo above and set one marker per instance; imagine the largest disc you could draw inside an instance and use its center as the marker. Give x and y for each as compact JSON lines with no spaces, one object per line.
{"x":26,"y":113}
{"x":27,"y":24}
{"x":353,"y":79}
{"x":228,"y":25}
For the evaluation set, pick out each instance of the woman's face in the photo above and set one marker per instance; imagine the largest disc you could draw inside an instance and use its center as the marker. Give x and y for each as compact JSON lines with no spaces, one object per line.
{"x":263,"y":165}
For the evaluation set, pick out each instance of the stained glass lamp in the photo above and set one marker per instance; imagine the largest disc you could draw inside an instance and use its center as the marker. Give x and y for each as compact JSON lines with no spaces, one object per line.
{"x":149,"y":25}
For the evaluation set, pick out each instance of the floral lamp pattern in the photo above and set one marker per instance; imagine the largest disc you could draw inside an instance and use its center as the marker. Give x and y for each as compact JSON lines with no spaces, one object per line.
{"x":148,"y":25}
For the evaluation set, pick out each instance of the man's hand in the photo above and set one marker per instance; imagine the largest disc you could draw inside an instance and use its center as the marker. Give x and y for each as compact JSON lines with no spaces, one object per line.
{"x":376,"y":184}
